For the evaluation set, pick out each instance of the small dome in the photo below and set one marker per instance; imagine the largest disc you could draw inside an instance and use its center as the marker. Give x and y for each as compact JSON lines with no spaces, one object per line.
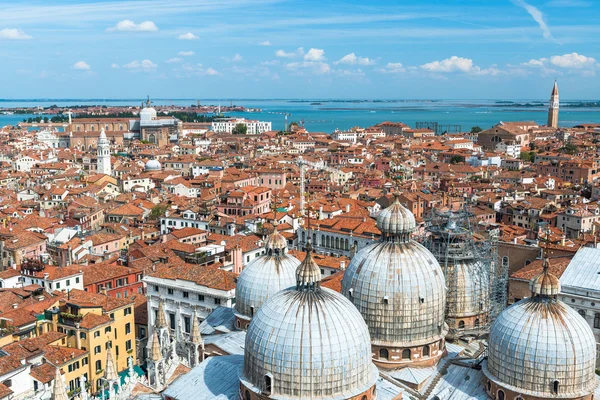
{"x":153,"y":165}
{"x":276,"y":242}
{"x":545,"y":284}
{"x":396,"y":222}
{"x":541,"y":347}
{"x":264,"y":276}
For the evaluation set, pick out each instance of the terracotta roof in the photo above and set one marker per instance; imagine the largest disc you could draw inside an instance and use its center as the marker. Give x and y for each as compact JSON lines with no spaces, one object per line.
{"x":43,"y":373}
{"x":91,"y":320}
{"x":208,"y":276}
{"x":87,"y":299}
{"x":557,"y":267}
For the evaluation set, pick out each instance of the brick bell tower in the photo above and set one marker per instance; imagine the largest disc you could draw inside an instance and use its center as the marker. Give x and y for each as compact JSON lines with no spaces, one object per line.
{"x":553,"y":107}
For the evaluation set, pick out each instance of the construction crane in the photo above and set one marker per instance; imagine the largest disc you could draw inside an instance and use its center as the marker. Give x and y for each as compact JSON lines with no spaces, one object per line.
{"x":304,"y":164}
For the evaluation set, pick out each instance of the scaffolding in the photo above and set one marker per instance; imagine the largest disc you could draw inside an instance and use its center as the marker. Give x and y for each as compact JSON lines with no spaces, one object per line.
{"x":438,"y":128}
{"x":476,"y":283}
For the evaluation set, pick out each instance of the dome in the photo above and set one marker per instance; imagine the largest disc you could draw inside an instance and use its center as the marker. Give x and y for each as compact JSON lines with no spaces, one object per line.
{"x":542,"y":347}
{"x":147,"y":114}
{"x":396,"y":222}
{"x":469,"y":295}
{"x":153,"y":165}
{"x":308,"y":342}
{"x":399,"y":289}
{"x":275,"y":242}
{"x":264,"y":276}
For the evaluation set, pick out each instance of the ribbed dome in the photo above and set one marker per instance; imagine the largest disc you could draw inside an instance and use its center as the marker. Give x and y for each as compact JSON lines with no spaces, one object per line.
{"x":545,"y":284}
{"x":399,"y":289}
{"x":264,"y":276}
{"x":396,"y":222}
{"x":275,"y":242}
{"x":538,"y":341}
{"x":468,"y":296}
{"x":313,"y":344}
{"x":152,"y":165}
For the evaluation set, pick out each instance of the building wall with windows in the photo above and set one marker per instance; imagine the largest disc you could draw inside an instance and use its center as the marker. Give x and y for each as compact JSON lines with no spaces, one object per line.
{"x":182,"y":298}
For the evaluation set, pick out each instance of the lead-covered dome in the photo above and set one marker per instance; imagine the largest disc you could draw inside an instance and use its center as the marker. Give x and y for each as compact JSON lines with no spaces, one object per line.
{"x":541,"y":347}
{"x":308,"y":342}
{"x":265,"y":276}
{"x":152,"y":165}
{"x":399,"y":288}
{"x":396,"y":222}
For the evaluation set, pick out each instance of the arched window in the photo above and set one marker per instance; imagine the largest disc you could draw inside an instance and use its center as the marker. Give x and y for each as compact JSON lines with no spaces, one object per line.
{"x":461,"y":324}
{"x":555,"y":387}
{"x":337,"y":243}
{"x":383,"y":354}
{"x":505,"y":261}
{"x":346,"y":247}
{"x":500,"y":394}
{"x":303,"y":237}
{"x":268,"y":384}
{"x":426,"y":351}
{"x":247,"y":395}
{"x":582,"y":313}
{"x":92,"y":128}
{"x":314,"y":238}
{"x":406,"y":354}
{"x":597,"y":321}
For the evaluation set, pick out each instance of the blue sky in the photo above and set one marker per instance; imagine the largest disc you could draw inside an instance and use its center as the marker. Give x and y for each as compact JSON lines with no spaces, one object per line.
{"x":299,"y":49}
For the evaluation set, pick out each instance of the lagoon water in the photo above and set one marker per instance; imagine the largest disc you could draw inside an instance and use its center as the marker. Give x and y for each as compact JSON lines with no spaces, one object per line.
{"x":328,"y":115}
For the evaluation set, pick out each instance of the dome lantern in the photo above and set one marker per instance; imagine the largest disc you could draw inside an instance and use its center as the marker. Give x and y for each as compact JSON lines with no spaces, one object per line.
{"x":396,"y":222}
{"x":308,"y":275}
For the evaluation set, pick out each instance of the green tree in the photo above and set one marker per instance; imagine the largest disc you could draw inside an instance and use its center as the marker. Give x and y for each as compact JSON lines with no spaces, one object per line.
{"x":240,"y":129}
{"x":527,"y":156}
{"x":158,"y":211}
{"x":476,"y":129}
{"x":457,"y":159}
{"x":569,"y":148}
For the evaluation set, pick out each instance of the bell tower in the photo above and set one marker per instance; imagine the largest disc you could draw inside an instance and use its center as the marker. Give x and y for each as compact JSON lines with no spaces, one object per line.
{"x":553,"y":107}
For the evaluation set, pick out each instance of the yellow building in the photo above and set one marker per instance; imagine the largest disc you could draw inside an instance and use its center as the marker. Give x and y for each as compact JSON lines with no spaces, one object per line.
{"x":95,"y":322}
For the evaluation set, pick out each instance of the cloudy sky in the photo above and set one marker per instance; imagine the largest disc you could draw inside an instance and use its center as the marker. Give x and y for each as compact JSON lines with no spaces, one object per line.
{"x":299,"y":49}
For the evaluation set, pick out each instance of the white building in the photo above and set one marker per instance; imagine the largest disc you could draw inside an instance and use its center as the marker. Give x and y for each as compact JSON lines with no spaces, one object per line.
{"x":512,"y":150}
{"x":344,"y":136}
{"x":53,"y":278}
{"x":49,"y":138}
{"x":103,"y":153}
{"x":185,"y":289}
{"x":254,"y":127}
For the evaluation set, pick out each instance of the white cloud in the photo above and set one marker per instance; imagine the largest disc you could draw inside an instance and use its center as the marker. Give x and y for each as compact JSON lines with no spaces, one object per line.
{"x":185,"y":53}
{"x":316,"y":67}
{"x":573,"y":60}
{"x":536,"y":14}
{"x":237,"y":58}
{"x":352,"y":59}
{"x":144,"y":65}
{"x":188,"y":36}
{"x":130,"y":26}
{"x":315,"y":55}
{"x":535,"y":63}
{"x":265,"y":43}
{"x":299,"y":52}
{"x":174,"y":60}
{"x":452,"y":64}
{"x":13,"y":34}
{"x":114,"y":65}
{"x":349,"y":72}
{"x":392,"y":68}
{"x":211,"y":71}
{"x":459,"y":64}
{"x":82,"y":65}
